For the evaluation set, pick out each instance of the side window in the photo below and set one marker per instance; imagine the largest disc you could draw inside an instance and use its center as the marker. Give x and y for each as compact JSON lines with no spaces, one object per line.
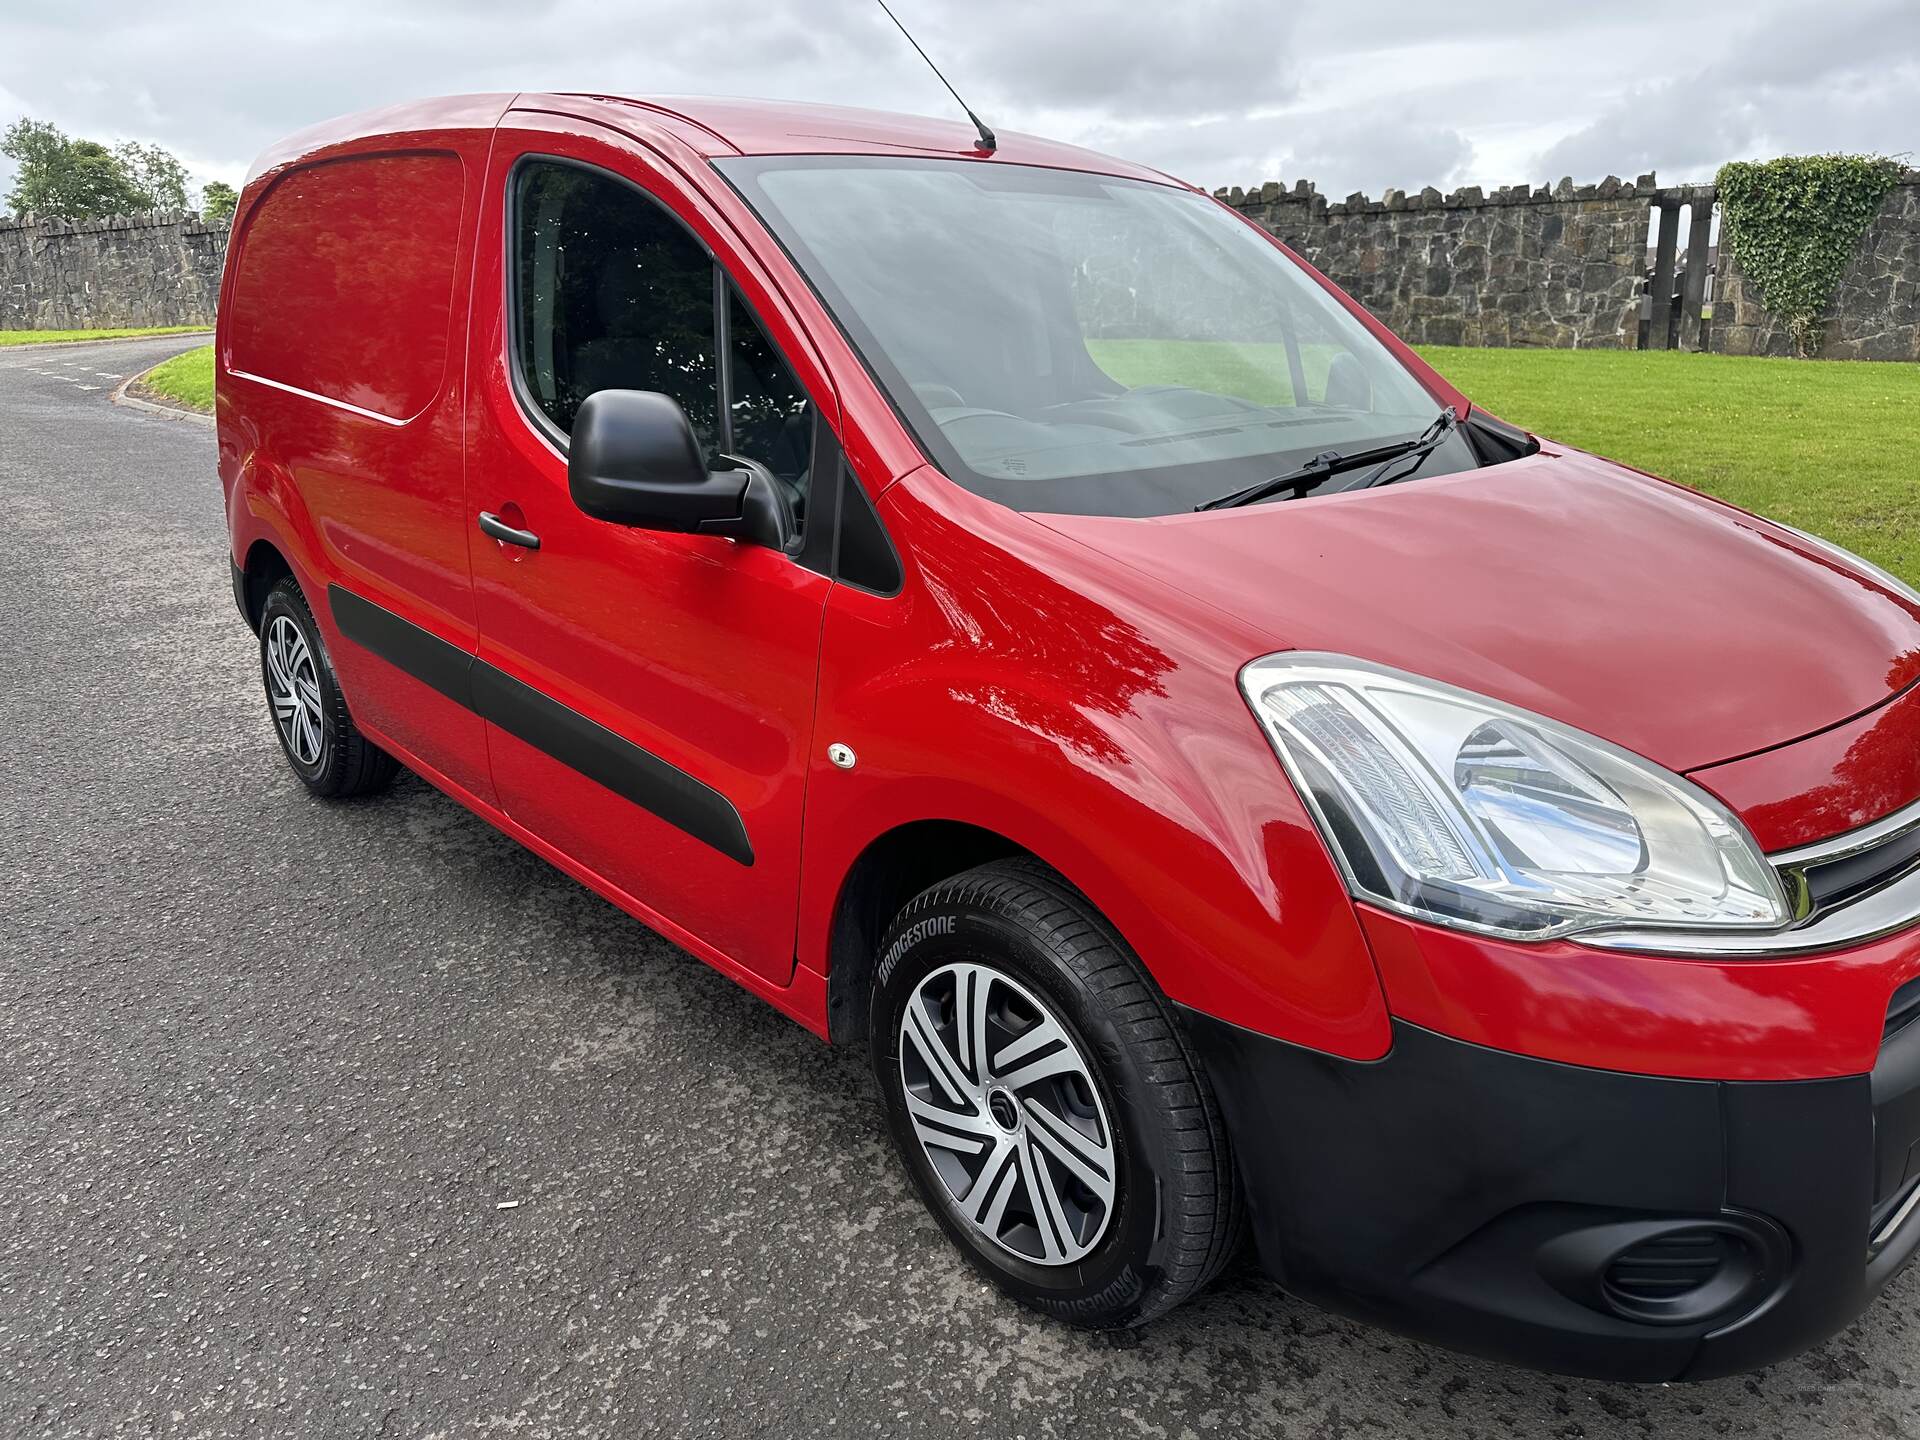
{"x":613,"y":295}
{"x":770,"y":419}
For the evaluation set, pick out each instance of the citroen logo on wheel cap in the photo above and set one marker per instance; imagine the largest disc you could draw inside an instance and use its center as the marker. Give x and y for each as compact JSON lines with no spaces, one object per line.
{"x":1004,"y":1110}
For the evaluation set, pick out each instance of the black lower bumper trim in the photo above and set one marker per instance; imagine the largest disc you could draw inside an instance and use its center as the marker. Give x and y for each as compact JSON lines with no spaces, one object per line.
{"x":1451,"y":1192}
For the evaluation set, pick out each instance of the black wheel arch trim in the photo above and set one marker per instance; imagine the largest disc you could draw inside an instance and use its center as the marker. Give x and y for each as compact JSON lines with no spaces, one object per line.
{"x":557,"y":731}
{"x":240,"y":593}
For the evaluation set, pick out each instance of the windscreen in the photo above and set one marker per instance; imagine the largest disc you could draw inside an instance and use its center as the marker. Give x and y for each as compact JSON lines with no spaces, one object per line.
{"x":1079,"y":343}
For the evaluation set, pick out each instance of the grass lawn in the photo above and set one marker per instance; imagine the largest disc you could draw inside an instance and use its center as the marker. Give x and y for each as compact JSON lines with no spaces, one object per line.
{"x":43,"y":337}
{"x":1830,"y":446}
{"x":186,"y":379}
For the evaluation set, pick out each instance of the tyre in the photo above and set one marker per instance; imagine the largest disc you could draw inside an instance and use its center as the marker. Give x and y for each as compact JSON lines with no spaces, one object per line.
{"x":1045,"y":1102}
{"x":317,"y":734}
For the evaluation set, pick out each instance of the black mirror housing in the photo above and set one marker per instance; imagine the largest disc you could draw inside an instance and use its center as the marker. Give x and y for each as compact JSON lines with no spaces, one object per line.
{"x":633,"y":459}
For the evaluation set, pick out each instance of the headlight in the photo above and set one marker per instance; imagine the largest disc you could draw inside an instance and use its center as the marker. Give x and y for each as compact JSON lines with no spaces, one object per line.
{"x":1470,"y":813}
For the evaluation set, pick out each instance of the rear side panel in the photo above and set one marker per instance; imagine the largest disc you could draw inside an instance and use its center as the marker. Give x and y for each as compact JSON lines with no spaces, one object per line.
{"x":345,"y":284}
{"x":342,"y":329}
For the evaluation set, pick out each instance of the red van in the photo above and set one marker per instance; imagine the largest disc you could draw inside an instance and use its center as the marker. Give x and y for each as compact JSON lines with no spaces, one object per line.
{"x":943,"y":588}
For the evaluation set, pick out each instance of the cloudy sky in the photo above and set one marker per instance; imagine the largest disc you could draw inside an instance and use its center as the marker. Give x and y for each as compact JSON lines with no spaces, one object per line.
{"x":1355,"y":94}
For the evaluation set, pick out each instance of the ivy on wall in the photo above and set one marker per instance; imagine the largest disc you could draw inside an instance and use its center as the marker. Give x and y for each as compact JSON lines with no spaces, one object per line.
{"x":1793,"y":225}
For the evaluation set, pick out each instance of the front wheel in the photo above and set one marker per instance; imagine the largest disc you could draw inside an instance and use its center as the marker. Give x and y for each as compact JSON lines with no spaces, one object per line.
{"x":1045,"y":1103}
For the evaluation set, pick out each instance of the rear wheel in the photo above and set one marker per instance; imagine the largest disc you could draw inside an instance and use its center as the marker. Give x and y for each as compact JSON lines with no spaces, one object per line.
{"x":1045,"y":1103}
{"x":317,"y":734}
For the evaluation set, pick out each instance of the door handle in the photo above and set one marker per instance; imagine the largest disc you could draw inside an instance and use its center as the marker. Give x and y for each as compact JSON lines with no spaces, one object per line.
{"x":506,"y":534}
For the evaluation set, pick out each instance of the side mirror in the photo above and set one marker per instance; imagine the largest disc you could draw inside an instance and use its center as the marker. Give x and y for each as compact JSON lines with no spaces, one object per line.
{"x":634,"y":460}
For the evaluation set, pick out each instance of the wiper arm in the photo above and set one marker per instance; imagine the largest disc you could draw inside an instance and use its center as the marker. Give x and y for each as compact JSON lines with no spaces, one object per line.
{"x":1327,"y":462}
{"x":1430,"y":440}
{"x":1331,"y":462}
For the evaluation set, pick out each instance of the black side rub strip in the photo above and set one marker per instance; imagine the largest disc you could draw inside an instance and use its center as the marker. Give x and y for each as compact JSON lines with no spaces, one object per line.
{"x":401,"y":643}
{"x":602,"y":756}
{"x":568,"y":736}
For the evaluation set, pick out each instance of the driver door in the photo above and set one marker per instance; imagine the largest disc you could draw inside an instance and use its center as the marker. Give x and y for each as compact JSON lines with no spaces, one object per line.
{"x":650,"y":695}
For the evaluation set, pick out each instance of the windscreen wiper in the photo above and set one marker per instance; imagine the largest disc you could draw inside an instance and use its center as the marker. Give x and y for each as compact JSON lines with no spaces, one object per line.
{"x":1331,"y":462}
{"x":1430,"y":440}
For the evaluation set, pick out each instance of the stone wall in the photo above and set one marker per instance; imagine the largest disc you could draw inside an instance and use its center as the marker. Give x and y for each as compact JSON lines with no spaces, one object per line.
{"x":1875,"y":310}
{"x":1560,"y":266}
{"x":159,"y":269}
{"x":1533,"y":266}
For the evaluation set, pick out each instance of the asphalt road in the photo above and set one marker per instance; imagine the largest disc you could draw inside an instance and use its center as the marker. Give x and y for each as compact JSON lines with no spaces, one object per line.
{"x":270,"y":1067}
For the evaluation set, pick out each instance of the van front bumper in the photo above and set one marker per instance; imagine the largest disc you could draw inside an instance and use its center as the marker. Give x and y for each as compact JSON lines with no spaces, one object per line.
{"x":1581,"y":1220}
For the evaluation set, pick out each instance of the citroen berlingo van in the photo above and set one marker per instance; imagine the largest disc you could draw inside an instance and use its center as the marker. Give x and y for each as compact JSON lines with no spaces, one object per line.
{"x":1007,"y":611}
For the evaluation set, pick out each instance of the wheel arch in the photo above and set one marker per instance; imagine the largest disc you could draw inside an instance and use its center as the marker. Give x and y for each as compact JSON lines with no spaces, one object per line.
{"x":894,"y":866}
{"x":264,"y":568}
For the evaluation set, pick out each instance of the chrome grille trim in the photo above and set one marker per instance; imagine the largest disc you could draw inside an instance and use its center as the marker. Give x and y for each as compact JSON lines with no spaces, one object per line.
{"x":1851,"y":842}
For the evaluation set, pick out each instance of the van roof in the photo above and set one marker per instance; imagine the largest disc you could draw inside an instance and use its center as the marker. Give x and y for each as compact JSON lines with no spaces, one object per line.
{"x":787,"y":127}
{"x":715,"y":126}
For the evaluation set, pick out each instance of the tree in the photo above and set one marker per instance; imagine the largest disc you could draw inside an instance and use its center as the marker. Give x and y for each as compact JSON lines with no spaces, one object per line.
{"x":217,"y":199}
{"x":155,"y":173}
{"x":83,"y":179}
{"x":54,"y":175}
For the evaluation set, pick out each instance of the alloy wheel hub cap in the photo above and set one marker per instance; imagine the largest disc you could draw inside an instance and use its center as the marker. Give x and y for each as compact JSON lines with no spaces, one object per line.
{"x":1004,"y":1109}
{"x":1008,"y":1114}
{"x":293,"y":686}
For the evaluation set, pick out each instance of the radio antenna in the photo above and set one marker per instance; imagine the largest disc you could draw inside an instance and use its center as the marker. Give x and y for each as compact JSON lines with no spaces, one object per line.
{"x":987,"y":142}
